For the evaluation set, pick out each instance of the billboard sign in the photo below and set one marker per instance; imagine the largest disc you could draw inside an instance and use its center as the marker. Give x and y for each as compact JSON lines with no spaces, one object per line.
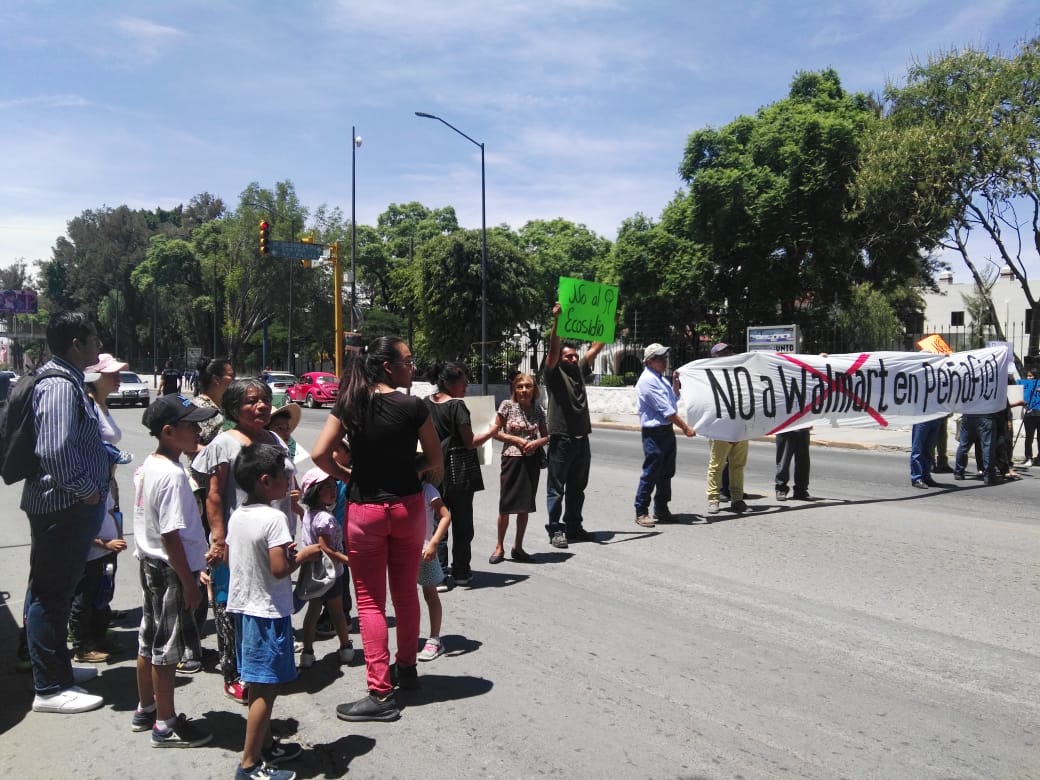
{"x":772,"y":338}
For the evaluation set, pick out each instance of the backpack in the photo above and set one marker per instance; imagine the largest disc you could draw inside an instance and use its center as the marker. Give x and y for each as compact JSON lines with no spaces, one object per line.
{"x":18,"y":459}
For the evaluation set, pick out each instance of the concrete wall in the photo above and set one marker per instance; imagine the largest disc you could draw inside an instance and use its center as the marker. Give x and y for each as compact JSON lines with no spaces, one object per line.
{"x":606,"y":404}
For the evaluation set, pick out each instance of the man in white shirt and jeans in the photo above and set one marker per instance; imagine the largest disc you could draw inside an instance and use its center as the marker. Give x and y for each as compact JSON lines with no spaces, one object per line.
{"x":658,"y":412}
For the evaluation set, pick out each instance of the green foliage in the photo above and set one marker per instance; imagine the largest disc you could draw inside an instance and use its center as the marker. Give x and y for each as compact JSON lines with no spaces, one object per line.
{"x":556,"y":248}
{"x":611,"y":380}
{"x":869,"y":321}
{"x":444,"y":285}
{"x":768,"y":203}
{"x":958,"y":155}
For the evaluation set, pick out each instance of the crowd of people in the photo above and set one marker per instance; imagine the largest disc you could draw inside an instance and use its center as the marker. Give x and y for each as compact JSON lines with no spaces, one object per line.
{"x":221,"y":521}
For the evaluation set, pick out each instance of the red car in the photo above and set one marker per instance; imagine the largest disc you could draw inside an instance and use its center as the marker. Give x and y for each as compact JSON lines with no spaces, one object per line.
{"x":314,"y":389}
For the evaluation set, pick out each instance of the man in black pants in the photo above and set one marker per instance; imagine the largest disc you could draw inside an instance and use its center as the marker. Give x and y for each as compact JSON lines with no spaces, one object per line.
{"x":793,"y":445}
{"x":569,"y":428}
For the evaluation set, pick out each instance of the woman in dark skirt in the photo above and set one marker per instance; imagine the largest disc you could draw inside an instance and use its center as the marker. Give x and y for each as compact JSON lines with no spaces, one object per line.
{"x":520,"y":426}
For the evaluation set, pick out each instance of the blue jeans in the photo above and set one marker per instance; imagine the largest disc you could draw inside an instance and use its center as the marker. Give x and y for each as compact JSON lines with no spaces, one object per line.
{"x":60,"y":543}
{"x":568,"y":475}
{"x":658,"y":469}
{"x":975,"y":428}
{"x":922,"y":443}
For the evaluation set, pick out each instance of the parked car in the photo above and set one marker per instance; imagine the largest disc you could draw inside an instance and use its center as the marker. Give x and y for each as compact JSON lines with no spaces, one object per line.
{"x":314,"y":389}
{"x":132,"y":391}
{"x":278,"y":380}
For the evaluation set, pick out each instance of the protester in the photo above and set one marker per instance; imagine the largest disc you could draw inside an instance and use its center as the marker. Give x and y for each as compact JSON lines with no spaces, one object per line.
{"x":170,"y":544}
{"x":385,"y":517}
{"x":657,"y":399}
{"x":247,"y":403}
{"x":726,"y":457}
{"x":922,"y":443}
{"x":975,"y":428}
{"x":451,"y":421}
{"x":569,"y":425}
{"x":793,"y":446}
{"x":520,"y":426}
{"x":318,"y":495}
{"x":261,"y":556}
{"x":438,"y":518}
{"x":91,"y":614}
{"x":65,"y":503}
{"x":1031,"y":418}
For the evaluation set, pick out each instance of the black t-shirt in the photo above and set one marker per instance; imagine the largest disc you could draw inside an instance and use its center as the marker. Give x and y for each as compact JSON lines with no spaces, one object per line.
{"x":384,"y":455}
{"x":171,"y":377}
{"x":568,"y":402}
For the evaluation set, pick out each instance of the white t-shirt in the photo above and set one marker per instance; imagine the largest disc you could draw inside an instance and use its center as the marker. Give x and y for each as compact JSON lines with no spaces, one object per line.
{"x":252,"y":531}
{"x":430,"y":494}
{"x":224,"y":449}
{"x":163,"y":502}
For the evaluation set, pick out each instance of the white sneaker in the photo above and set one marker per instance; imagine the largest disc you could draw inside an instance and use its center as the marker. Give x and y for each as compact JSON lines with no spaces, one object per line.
{"x":80,"y":674}
{"x":68,"y":701}
{"x":306,"y":660}
{"x":431,"y":649}
{"x":346,"y":654}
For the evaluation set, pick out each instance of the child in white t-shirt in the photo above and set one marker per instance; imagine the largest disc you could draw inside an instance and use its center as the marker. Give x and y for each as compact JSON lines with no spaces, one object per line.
{"x":260,"y":600}
{"x":171,"y":547}
{"x":438,"y":518}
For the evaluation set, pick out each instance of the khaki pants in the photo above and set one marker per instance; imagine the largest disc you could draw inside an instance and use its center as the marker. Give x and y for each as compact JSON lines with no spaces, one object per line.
{"x":736,"y":453}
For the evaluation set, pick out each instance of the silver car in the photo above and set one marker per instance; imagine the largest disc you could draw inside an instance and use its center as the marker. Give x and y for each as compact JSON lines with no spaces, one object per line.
{"x":132,"y":391}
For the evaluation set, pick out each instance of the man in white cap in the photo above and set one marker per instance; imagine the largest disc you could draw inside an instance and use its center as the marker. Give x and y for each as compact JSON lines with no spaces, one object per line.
{"x":658,"y":412}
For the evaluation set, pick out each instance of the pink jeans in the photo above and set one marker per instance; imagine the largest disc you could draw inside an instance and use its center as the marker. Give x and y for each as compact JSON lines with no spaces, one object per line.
{"x":386,"y":539}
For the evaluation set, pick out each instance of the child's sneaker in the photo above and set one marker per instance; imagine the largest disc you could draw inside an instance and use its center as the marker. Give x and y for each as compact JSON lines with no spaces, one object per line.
{"x":183,"y":734}
{"x":280,"y":751}
{"x":142,"y":721}
{"x":263,"y":772}
{"x":431,"y":649}
{"x":237,"y":691}
{"x":346,"y":653}
{"x":306,"y":660}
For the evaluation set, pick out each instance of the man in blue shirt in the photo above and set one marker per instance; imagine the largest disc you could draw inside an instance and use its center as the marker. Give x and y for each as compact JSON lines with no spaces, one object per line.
{"x":65,"y":502}
{"x":658,"y":412}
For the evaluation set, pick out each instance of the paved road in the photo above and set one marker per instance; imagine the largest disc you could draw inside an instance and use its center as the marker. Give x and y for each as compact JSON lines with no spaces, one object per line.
{"x":881,"y":632}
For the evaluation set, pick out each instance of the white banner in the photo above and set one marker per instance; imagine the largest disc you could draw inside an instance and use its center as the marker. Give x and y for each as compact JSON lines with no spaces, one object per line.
{"x":761,"y":393}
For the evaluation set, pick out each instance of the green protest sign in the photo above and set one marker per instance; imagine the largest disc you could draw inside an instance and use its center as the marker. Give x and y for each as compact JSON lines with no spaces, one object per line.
{"x":587,"y":310}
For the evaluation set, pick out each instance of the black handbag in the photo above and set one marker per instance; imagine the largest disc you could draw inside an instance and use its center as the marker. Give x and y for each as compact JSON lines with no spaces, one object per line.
{"x":462,"y":470}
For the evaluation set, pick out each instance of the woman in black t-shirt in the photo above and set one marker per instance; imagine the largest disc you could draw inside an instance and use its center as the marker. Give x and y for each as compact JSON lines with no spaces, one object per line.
{"x":386,"y":519}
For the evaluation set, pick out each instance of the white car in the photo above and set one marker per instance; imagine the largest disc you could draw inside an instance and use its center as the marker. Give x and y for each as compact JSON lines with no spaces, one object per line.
{"x":132,"y":391}
{"x":279,"y":380}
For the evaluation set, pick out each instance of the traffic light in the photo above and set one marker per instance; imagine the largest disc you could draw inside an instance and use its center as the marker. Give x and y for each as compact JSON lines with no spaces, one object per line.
{"x":265,"y":238}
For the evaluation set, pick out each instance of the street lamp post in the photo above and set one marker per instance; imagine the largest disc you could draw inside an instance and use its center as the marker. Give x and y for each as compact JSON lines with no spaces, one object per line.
{"x":355,"y":144}
{"x":483,"y":252}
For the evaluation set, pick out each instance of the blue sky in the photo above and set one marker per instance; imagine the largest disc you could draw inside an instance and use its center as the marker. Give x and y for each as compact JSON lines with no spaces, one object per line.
{"x":584,"y":105}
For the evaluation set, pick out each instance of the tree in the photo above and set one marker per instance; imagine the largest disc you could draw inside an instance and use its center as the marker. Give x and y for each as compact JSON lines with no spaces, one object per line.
{"x":957,"y":155}
{"x":661,"y":273}
{"x":444,"y":283}
{"x":868,"y":321}
{"x":769,"y":205}
{"x":559,"y":247}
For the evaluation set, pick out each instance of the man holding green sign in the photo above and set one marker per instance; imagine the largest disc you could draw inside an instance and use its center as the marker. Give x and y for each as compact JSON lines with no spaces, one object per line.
{"x":569,"y":423}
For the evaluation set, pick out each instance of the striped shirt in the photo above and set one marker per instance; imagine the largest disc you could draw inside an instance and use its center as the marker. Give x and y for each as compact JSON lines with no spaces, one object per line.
{"x":73,"y":461}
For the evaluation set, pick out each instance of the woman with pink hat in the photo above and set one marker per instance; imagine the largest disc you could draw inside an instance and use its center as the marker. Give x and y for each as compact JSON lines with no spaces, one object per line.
{"x":88,"y":624}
